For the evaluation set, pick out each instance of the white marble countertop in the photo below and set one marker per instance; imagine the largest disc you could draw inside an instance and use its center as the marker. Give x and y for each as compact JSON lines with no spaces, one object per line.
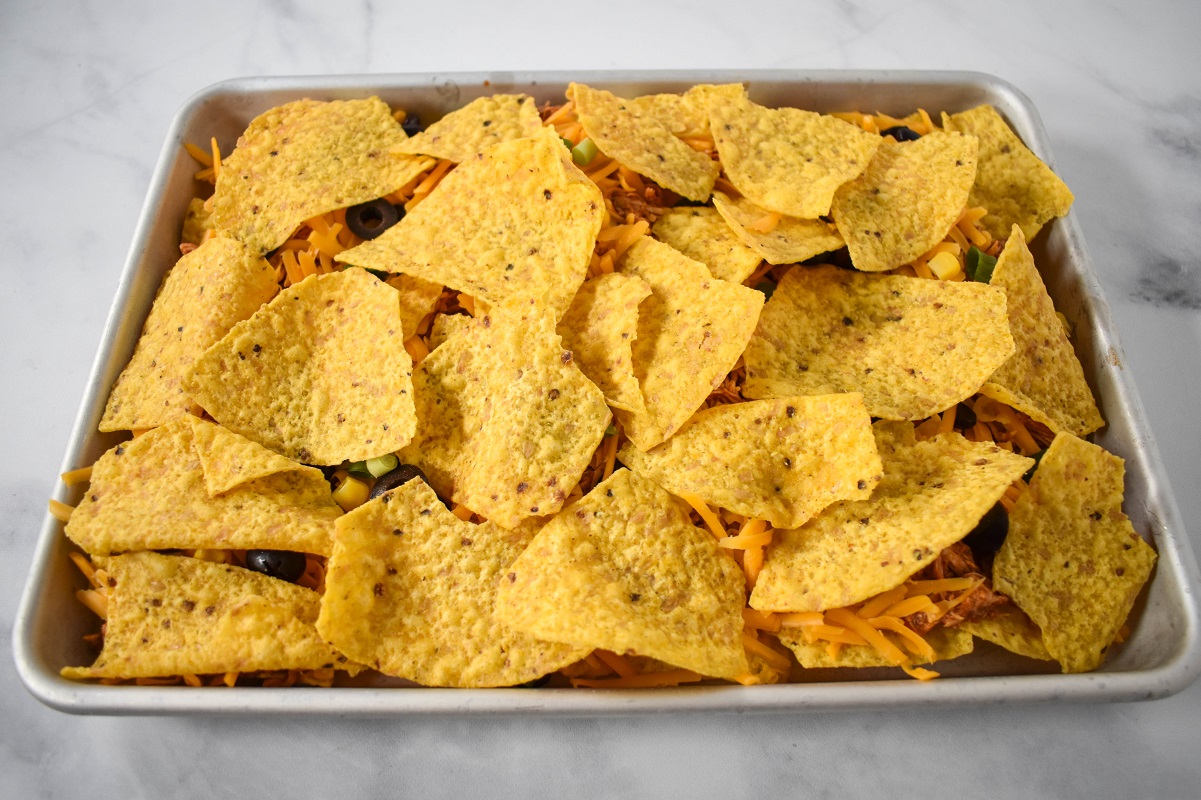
{"x":88,"y":89}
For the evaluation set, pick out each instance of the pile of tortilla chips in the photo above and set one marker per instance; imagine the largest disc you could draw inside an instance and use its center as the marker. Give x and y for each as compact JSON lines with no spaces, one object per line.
{"x":625,"y":392}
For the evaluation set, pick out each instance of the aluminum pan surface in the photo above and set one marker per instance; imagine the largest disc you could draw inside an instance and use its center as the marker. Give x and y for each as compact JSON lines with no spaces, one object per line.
{"x":1162,"y":657}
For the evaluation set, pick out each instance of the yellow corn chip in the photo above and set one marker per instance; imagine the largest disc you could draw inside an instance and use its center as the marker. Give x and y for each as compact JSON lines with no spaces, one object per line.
{"x":195,"y":222}
{"x":411,"y":590}
{"x":205,"y":293}
{"x":506,"y":420}
{"x":469,"y":130}
{"x":153,"y":493}
{"x":320,"y":374}
{"x":624,"y":569}
{"x":932,"y":494}
{"x":907,"y":199}
{"x":304,"y":159}
{"x":791,"y":240}
{"x":1011,"y":628}
{"x":1014,"y":185}
{"x":780,"y":460}
{"x":948,"y":643}
{"x":517,"y":221}
{"x":912,"y":346}
{"x":701,"y":234}
{"x":1072,"y":560}
{"x":600,"y":328}
{"x":784,"y":159}
{"x":446,"y":326}
{"x":175,"y":615}
{"x":417,"y":298}
{"x":643,"y":143}
{"x":1043,"y":378}
{"x":684,"y":114}
{"x":691,"y":331}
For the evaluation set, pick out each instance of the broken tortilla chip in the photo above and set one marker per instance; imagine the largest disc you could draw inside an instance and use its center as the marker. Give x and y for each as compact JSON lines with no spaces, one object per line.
{"x":684,"y":114}
{"x":517,"y":221}
{"x":948,"y":643}
{"x":781,"y":460}
{"x":931,"y":495}
{"x":196,"y":222}
{"x":506,"y":420}
{"x":643,"y":143}
{"x":177,"y":615}
{"x":446,"y":326}
{"x":305,"y":159}
{"x":600,"y":328}
{"x":417,"y":299}
{"x":152,"y":494}
{"x":913,"y":347}
{"x":1009,"y":627}
{"x":624,"y":569}
{"x":320,"y":374}
{"x":789,"y":241}
{"x":784,"y":159}
{"x":210,"y":289}
{"x":1043,"y":378}
{"x":411,"y":590}
{"x":1072,"y":560}
{"x":469,"y":130}
{"x":700,"y":233}
{"x":907,"y":199}
{"x":691,"y":331}
{"x":1014,"y":185}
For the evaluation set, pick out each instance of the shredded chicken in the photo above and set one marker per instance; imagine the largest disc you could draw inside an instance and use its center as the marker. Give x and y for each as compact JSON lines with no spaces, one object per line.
{"x":957,"y":561}
{"x":648,"y":205}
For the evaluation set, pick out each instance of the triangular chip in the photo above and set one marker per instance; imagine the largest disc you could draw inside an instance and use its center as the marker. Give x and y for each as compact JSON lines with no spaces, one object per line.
{"x":229,"y":460}
{"x":912,"y":346}
{"x":789,"y":241}
{"x":1072,"y":560}
{"x":932,"y":495}
{"x":1011,"y":628}
{"x":507,"y":422}
{"x":469,"y":130}
{"x":210,"y":289}
{"x":304,"y":159}
{"x":320,"y":374}
{"x":780,"y":460}
{"x":691,"y":331}
{"x":600,"y":328}
{"x":700,"y":233}
{"x":784,"y":159}
{"x":1014,"y":185}
{"x":948,"y":643}
{"x":411,"y":590}
{"x":517,"y":221}
{"x":1043,"y":378}
{"x":684,"y":114}
{"x":176,"y":615}
{"x":643,"y":143}
{"x":196,"y":222}
{"x":151,"y":494}
{"x":417,"y":299}
{"x":446,"y":326}
{"x":907,"y":199}
{"x":624,"y":569}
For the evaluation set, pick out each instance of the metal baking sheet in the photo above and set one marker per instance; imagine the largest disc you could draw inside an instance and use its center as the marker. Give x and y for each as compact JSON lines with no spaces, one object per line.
{"x":1161,"y":657}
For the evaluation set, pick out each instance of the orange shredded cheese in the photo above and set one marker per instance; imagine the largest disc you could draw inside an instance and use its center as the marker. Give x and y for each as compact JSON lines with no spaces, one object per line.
{"x":61,"y":511}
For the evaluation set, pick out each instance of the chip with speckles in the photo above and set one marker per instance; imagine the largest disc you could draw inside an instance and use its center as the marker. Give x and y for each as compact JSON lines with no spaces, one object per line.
{"x":469,"y":130}
{"x":789,"y":241}
{"x":700,"y":233}
{"x":947,"y":643}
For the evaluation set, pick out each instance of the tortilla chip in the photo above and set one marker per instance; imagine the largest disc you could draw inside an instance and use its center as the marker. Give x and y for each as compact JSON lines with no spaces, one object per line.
{"x":1014,"y":185}
{"x":912,"y":346}
{"x":176,"y":615}
{"x":320,"y":374}
{"x":1011,"y":628}
{"x":1072,"y":560}
{"x":907,"y":199}
{"x":780,"y":460}
{"x":507,"y":422}
{"x":643,"y":143}
{"x":787,"y":160}
{"x":700,"y":233}
{"x":411,"y":590}
{"x":210,"y":289}
{"x":518,"y":221}
{"x":470,"y":130}
{"x":153,"y":493}
{"x":948,"y":643}
{"x":932,"y":494}
{"x":446,"y":326}
{"x":624,"y":569}
{"x":196,"y":222}
{"x":691,"y":331}
{"x":304,"y":159}
{"x":791,"y":240}
{"x":1043,"y":378}
{"x":684,"y":114}
{"x":600,"y":328}
{"x":417,"y":299}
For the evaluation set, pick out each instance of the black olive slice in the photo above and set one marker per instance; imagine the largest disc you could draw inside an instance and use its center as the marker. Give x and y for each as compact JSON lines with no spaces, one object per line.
{"x":369,"y":220}
{"x":283,"y":564}
{"x":397,"y":477}
{"x":901,"y":133}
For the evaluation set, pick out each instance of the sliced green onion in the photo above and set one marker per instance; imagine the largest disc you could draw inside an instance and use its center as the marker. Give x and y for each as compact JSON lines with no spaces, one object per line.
{"x":611,"y":430}
{"x":358,"y":468}
{"x":570,"y":145}
{"x":978,"y":265}
{"x":382,"y":465}
{"x":583,"y":153}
